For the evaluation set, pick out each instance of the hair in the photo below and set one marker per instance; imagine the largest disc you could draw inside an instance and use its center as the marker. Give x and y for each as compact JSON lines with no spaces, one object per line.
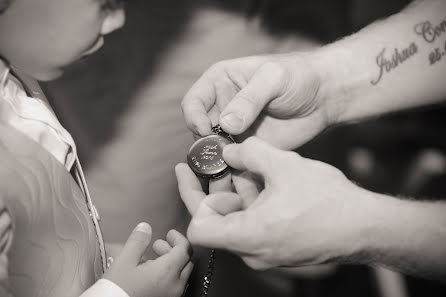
{"x":4,"y":4}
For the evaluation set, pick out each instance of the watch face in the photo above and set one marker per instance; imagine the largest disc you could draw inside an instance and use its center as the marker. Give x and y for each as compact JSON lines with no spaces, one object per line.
{"x":205,"y":156}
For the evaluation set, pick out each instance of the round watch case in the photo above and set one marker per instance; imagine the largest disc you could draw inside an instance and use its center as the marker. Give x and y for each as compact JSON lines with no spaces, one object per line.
{"x":205,"y":156}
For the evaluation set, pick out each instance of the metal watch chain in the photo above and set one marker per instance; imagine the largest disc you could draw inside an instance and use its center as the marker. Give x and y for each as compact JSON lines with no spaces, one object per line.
{"x":211,"y":262}
{"x":219,"y":131}
{"x":209,"y":273}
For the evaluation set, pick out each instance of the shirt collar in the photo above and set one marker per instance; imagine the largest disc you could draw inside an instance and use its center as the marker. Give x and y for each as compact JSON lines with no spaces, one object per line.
{"x":4,"y":72}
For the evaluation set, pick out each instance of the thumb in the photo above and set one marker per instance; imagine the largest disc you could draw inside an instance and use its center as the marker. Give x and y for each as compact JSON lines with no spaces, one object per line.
{"x":136,"y":245}
{"x":265,"y":85}
{"x":254,"y":155}
{"x":224,"y":203}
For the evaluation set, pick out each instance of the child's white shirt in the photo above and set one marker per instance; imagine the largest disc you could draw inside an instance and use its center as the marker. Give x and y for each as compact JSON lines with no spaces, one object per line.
{"x":34,"y":118}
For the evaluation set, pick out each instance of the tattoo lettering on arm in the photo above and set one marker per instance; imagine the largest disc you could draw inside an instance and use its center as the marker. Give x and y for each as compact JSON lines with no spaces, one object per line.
{"x":431,"y":33}
{"x":387,"y":64}
{"x":437,"y":54}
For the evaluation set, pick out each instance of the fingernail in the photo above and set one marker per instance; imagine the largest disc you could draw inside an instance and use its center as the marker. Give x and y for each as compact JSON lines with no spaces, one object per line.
{"x":143,"y":227}
{"x":233,"y":121}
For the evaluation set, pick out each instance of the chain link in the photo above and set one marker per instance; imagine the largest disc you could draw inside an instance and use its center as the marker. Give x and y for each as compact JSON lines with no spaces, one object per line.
{"x":209,"y":273}
{"x":219,"y":131}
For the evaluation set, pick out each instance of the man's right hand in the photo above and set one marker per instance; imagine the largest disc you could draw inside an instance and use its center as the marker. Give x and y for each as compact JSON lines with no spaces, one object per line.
{"x":306,"y":213}
{"x":260,"y":96}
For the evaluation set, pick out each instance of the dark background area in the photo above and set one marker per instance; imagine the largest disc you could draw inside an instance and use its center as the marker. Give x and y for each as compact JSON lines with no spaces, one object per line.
{"x":122,"y":107}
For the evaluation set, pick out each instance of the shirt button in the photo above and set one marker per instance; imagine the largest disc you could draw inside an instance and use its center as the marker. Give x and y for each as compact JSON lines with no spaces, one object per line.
{"x":109,"y":261}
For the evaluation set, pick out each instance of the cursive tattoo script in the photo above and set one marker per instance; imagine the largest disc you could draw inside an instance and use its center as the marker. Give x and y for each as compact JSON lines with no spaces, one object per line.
{"x":387,"y":64}
{"x":437,"y":54}
{"x":430,"y":32}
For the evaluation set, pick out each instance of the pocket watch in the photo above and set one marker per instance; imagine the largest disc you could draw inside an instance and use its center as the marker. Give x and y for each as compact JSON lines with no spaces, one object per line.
{"x":205,"y":156}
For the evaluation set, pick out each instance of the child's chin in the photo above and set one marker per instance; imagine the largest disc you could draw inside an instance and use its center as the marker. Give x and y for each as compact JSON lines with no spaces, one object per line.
{"x":48,"y":75}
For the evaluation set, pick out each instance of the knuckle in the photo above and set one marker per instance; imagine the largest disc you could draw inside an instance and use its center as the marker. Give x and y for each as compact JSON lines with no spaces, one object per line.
{"x":335,"y":172}
{"x":326,"y":169}
{"x":250,"y":100}
{"x":274,"y":69}
{"x":216,"y":67}
{"x":289,"y":156}
{"x":255,"y":263}
{"x":249,"y":142}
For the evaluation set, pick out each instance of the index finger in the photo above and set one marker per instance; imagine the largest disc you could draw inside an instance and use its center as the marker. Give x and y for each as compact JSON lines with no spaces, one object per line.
{"x":200,"y":98}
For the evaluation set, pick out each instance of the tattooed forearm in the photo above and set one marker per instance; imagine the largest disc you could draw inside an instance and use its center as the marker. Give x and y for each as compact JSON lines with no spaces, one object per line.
{"x":386,"y":64}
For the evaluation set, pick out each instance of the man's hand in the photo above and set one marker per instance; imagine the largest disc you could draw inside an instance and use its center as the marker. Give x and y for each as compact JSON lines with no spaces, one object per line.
{"x":306,"y":213}
{"x":260,"y":96}
{"x":162,"y":277}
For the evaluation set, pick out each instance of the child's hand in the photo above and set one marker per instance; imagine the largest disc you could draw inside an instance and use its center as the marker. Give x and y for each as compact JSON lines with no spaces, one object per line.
{"x":165,"y":276}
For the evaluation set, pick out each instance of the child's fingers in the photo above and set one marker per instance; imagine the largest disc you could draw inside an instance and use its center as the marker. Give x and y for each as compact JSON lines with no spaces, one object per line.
{"x":161,"y":247}
{"x":187,"y":270}
{"x":136,"y":245}
{"x":181,"y":251}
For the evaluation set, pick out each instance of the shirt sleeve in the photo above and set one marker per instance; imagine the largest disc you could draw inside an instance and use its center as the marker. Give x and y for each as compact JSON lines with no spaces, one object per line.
{"x":104,"y":288}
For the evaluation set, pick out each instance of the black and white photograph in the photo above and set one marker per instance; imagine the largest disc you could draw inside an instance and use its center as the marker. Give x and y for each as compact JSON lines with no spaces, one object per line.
{"x":222,"y":148}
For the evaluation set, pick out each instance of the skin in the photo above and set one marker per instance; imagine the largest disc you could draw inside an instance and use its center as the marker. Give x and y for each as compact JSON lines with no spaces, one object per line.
{"x":297,"y":211}
{"x":164,"y":276}
{"x":37,"y":36}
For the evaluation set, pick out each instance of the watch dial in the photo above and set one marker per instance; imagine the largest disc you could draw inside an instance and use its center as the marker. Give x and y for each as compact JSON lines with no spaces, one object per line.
{"x":205,"y":156}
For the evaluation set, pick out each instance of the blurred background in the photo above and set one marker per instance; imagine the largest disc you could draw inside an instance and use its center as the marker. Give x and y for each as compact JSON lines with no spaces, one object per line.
{"x":122,"y":106}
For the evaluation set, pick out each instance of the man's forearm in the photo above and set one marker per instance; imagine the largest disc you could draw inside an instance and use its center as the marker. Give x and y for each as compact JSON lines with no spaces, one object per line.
{"x":394,"y":64}
{"x":404,"y":235}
